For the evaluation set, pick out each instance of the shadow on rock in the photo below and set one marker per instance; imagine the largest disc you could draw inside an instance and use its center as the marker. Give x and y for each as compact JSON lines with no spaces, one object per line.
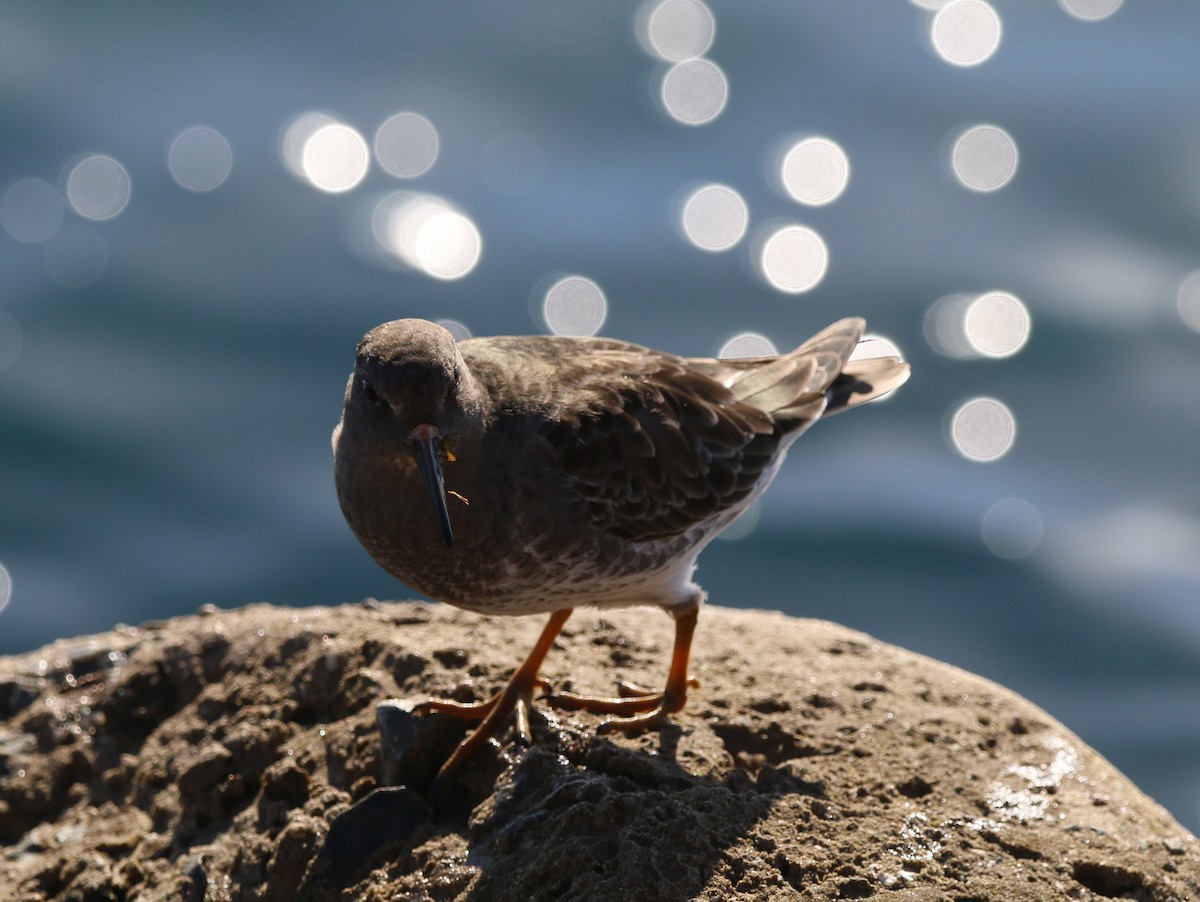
{"x":622,"y":823}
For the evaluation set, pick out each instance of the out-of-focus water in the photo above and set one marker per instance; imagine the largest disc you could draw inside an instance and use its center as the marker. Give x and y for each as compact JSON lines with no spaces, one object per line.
{"x":184,"y":280}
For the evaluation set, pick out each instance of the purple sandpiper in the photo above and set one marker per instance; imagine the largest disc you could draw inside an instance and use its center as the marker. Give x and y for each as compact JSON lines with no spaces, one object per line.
{"x":536,"y":474}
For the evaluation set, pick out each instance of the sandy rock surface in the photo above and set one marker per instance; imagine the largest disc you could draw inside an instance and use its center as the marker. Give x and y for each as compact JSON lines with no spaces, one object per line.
{"x":245,"y":755}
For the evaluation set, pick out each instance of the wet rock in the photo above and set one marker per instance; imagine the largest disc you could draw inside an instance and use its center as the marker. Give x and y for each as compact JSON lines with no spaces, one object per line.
{"x":272,"y":753}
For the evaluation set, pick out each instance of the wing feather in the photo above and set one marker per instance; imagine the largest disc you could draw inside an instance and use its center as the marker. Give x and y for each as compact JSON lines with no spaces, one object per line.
{"x":649,"y":445}
{"x":707,"y":450}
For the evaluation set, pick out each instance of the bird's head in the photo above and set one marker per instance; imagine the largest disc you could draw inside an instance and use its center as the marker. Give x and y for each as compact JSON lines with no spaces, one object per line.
{"x":411,"y":391}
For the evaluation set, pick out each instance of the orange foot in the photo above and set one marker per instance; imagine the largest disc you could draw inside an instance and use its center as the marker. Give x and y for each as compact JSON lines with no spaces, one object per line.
{"x":649,"y":709}
{"x":517,"y":694}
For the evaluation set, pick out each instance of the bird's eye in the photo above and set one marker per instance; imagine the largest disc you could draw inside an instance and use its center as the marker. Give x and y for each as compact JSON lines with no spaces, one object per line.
{"x":456,"y":377}
{"x":369,"y":391}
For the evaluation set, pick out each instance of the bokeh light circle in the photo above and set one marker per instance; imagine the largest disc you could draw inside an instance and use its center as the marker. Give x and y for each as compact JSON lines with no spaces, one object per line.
{"x":984,"y":158}
{"x":296,"y":135}
{"x":31,"y":210}
{"x":966,"y":32}
{"x":426,"y":233}
{"x":677,"y":29}
{"x":993,"y":324}
{"x":997,"y":324}
{"x":406,"y":145}
{"x":98,"y":187}
{"x":6,"y":587}
{"x":448,"y":245}
{"x":11,"y":340}
{"x":815,"y":171}
{"x":983,"y":430}
{"x":1187,"y":300}
{"x":335,"y":158}
{"x":714,"y":217}
{"x":200,"y":159}
{"x":694,"y":92}
{"x":747,"y":344}
{"x":1090,"y":10}
{"x":455,"y":328}
{"x":1012,"y":528}
{"x":793,"y":259}
{"x":574,"y":305}
{"x":944,"y":325}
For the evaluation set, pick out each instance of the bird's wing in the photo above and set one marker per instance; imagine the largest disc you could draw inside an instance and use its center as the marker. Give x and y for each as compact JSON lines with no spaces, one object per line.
{"x":652,"y":445}
{"x":646,"y":446}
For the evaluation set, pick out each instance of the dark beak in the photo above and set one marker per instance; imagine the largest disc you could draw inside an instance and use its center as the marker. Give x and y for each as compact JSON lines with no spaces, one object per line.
{"x":427,"y":446}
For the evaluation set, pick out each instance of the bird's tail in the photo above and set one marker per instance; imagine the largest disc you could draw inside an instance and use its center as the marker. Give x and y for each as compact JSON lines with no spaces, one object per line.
{"x":817,"y":379}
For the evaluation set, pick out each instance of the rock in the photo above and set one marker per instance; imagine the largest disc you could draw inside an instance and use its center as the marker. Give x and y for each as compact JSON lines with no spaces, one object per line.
{"x":270,"y":753}
{"x":386,"y":819}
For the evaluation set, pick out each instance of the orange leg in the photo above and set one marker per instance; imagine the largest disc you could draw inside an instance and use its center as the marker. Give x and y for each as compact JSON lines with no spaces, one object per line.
{"x":651,"y":708}
{"x":517,"y":695}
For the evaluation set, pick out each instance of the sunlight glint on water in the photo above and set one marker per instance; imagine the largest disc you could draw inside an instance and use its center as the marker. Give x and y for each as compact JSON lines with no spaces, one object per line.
{"x":98,"y":187}
{"x":814,"y":171}
{"x":406,"y":145}
{"x":11,"y":339}
{"x":793,"y":259}
{"x":966,"y":32}
{"x":455,"y":328}
{"x":200,"y":159}
{"x":675,"y":29}
{"x":694,"y":92}
{"x":1187,"y":300}
{"x":5,"y":587}
{"x":982,"y":430}
{"x":997,"y":324}
{"x":296,"y":135}
{"x":714,"y":217}
{"x":31,"y":210}
{"x":993,"y":324}
{"x":335,"y":158}
{"x":426,"y":233}
{"x":984,"y":158}
{"x":1091,"y":10}
{"x":944,"y":325}
{"x":574,"y":305}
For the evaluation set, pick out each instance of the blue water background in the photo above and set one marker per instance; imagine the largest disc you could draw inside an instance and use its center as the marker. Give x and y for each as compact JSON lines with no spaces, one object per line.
{"x":165,"y":428}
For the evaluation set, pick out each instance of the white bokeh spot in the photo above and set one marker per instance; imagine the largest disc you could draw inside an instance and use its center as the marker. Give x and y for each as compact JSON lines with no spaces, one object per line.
{"x":983,"y":430}
{"x":200,"y":159}
{"x":815,"y":171}
{"x":98,"y":187}
{"x":714,"y":217}
{"x":984,"y":158}
{"x":793,"y":259}
{"x":966,"y":32}
{"x":574,"y":305}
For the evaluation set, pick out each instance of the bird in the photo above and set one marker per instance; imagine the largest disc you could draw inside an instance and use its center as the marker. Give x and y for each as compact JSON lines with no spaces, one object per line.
{"x":518,"y":475}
